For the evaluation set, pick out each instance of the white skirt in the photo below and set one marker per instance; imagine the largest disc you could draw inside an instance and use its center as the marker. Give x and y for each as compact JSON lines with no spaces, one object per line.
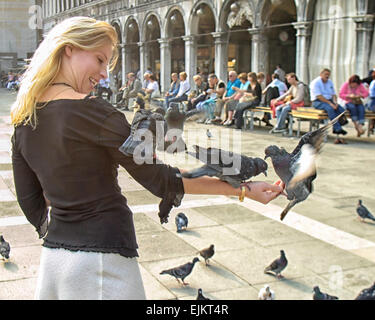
{"x":80,"y":275}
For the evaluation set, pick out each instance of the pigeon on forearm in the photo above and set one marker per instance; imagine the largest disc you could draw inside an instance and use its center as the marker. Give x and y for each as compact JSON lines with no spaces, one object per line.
{"x":227,"y":166}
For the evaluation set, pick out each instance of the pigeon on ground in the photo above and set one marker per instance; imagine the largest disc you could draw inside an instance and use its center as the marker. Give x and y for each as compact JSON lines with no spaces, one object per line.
{"x":318,"y":295}
{"x":367,"y":294}
{"x":175,"y":120}
{"x":182,"y":271}
{"x":363,"y":212}
{"x":4,"y":248}
{"x":278,"y":265}
{"x":209,"y":134}
{"x":200,"y":295}
{"x":266,"y":293}
{"x":207,"y":253}
{"x":181,"y":221}
{"x":227,"y":166}
{"x":297,"y":170}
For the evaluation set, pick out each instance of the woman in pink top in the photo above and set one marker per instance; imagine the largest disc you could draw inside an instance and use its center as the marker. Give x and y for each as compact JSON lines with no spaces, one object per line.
{"x":352,"y":92}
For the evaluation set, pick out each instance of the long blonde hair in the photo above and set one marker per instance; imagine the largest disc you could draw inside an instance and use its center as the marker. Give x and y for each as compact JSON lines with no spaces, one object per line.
{"x":80,"y":32}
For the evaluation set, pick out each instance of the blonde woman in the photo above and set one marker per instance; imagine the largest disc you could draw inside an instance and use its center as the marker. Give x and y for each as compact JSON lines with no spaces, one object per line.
{"x":65,"y":155}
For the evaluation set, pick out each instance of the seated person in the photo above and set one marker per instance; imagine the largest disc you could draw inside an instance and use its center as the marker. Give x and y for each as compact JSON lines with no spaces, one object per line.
{"x":173,"y":89}
{"x":231,"y":105}
{"x":200,"y":92}
{"x":152,"y":90}
{"x":217,"y":86}
{"x":291,"y":99}
{"x":104,"y":87}
{"x":251,"y":99}
{"x":372,"y":101}
{"x":130,"y":90}
{"x":183,"y":90}
{"x":323,"y":97}
{"x":230,"y":92}
{"x":352,"y":92}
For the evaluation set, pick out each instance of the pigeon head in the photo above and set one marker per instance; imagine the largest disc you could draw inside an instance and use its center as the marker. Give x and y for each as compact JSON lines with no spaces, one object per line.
{"x":316,"y":289}
{"x":272,"y":151}
{"x":2,"y":239}
{"x":359,"y":202}
{"x":212,"y":246}
{"x":282,"y":253}
{"x":195,"y":260}
{"x":261,"y":165}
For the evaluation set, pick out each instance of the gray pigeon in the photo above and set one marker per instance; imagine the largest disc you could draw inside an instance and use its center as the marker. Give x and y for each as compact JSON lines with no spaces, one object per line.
{"x":181,"y":221}
{"x":209,"y":134}
{"x":367,"y":294}
{"x":363,"y":212}
{"x":182,"y":271}
{"x":200,"y":295}
{"x":318,"y":295}
{"x":207,"y":253}
{"x":277,"y":265}
{"x":4,"y":248}
{"x":227,"y":166}
{"x":175,"y":120}
{"x":297,"y":169}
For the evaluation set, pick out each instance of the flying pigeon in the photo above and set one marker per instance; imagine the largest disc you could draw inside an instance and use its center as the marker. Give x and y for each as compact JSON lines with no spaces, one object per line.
{"x":363,"y":212}
{"x":200,"y":295}
{"x":278,"y":265}
{"x":297,"y":170}
{"x":207,"y":253}
{"x":318,"y":295}
{"x":4,"y":248}
{"x":182,"y":271}
{"x":181,"y":221}
{"x":209,"y":134}
{"x":266,"y":293}
{"x":227,"y":166}
{"x":367,"y":294}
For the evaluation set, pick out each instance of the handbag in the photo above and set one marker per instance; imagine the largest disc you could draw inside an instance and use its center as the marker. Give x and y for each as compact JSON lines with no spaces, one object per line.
{"x":343,"y":120}
{"x":357,"y":100}
{"x":246,"y":98}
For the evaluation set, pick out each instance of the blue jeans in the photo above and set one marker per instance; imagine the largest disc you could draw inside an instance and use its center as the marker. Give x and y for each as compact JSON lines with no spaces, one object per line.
{"x":372,"y":104}
{"x":281,"y":115}
{"x":332,"y":113}
{"x":357,"y":112}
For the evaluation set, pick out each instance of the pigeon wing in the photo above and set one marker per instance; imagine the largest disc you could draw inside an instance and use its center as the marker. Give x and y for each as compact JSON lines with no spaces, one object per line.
{"x":304,"y":165}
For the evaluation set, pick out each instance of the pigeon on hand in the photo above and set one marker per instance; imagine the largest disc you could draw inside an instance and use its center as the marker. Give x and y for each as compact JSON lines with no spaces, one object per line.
{"x":200,"y":295}
{"x":278,"y":265}
{"x":4,"y":248}
{"x":207,"y":253}
{"x":367,"y":294}
{"x":266,"y":293}
{"x":363,"y":212}
{"x":227,"y":166}
{"x":181,"y":221}
{"x":209,"y":134}
{"x":182,"y":271}
{"x":297,"y":170}
{"x":318,"y":295}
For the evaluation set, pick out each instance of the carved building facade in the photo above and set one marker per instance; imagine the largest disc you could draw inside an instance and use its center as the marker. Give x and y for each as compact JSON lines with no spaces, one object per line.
{"x":243,"y":35}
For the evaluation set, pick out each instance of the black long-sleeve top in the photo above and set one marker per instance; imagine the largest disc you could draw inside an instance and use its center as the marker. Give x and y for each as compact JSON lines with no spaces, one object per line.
{"x":72,"y":157}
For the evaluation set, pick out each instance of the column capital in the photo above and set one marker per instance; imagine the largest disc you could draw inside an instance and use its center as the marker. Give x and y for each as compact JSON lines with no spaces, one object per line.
{"x":364,"y":22}
{"x":164,"y":42}
{"x":220,"y":37}
{"x":188,"y":38}
{"x":303,"y":28}
{"x":256,"y":34}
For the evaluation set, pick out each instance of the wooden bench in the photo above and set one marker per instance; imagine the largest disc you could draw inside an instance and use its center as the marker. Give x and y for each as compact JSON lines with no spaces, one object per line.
{"x":248,"y":117}
{"x":316,"y":116}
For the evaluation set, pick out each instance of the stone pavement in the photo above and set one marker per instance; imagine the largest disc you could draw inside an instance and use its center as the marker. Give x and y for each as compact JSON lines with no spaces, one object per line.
{"x":324,"y":242}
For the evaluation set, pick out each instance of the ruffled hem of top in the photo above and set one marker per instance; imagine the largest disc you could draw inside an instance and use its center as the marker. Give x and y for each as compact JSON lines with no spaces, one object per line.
{"x":123,"y":251}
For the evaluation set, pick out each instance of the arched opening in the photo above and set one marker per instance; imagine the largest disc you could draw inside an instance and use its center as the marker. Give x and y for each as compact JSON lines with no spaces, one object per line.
{"x":175,"y":31}
{"x":152,"y":34}
{"x":116,"y":72}
{"x":131,"y":47}
{"x":202,"y":27}
{"x":237,"y":20}
{"x":278,"y":16}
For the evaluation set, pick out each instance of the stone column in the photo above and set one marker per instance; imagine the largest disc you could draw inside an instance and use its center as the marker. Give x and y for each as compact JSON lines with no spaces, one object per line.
{"x":364,"y":30}
{"x":221,"y":54}
{"x":190,"y":57}
{"x":302,"y":50}
{"x":259,"y":53}
{"x":165,"y":61}
{"x":123,"y":62}
{"x":142,"y":66}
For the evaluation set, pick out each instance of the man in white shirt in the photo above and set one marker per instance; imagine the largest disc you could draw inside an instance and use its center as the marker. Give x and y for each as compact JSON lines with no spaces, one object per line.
{"x":323,"y":97}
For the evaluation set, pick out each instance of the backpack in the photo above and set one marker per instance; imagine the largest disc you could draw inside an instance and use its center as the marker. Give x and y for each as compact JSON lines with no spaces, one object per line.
{"x":306,"y":95}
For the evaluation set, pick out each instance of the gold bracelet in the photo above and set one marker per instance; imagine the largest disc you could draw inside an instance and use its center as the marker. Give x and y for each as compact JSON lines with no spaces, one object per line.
{"x":242,"y":195}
